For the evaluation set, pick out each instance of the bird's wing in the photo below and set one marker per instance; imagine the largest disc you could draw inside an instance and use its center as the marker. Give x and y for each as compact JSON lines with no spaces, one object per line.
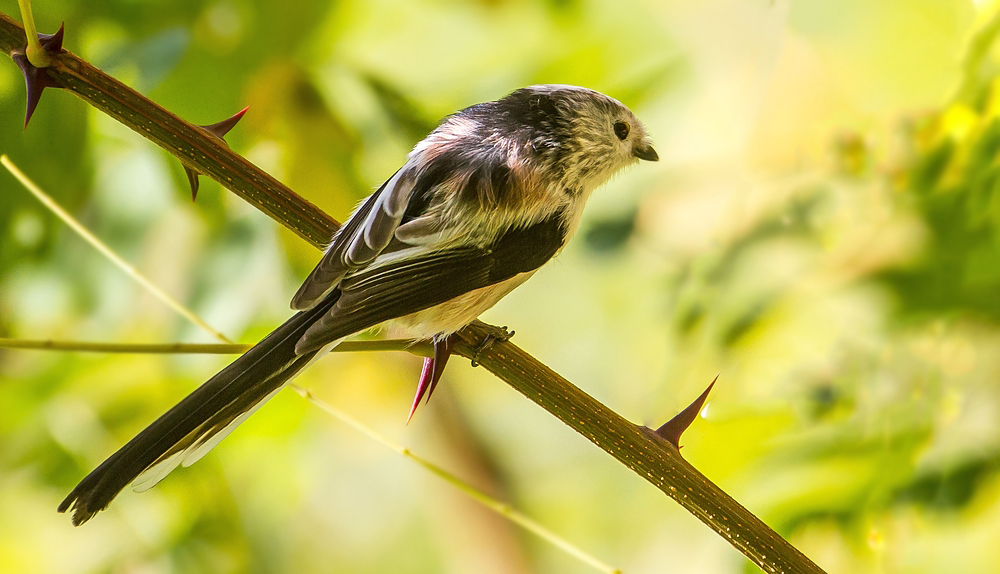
{"x":399,"y":214}
{"x":411,"y":282}
{"x":359,"y":241}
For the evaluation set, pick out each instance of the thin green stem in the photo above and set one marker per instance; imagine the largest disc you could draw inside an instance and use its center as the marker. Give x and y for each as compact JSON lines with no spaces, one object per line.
{"x":35,"y":53}
{"x":416,"y":348}
{"x":191,"y":144}
{"x":107,"y":251}
{"x":501,"y":508}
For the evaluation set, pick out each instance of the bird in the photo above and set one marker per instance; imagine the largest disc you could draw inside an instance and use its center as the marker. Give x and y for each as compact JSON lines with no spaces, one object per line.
{"x":480,"y":204}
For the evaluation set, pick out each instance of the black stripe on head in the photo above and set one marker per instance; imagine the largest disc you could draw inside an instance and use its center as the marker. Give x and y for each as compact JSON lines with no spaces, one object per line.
{"x":531,"y":108}
{"x":540,"y":118}
{"x":536,"y":123}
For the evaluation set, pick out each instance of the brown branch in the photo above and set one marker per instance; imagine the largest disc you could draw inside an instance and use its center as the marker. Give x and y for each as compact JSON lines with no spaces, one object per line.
{"x":191,"y":144}
{"x":640,"y":449}
{"x":637,"y":447}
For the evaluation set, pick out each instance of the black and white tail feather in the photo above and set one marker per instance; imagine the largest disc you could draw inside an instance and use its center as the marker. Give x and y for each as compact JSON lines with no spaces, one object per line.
{"x":482,"y":202}
{"x":187,"y":431}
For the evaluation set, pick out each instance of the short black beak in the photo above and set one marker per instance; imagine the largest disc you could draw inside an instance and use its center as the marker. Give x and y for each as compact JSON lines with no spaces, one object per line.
{"x":646,"y":152}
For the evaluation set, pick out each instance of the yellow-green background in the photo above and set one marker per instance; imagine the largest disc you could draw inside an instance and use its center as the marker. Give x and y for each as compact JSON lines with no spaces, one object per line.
{"x":823,"y":229}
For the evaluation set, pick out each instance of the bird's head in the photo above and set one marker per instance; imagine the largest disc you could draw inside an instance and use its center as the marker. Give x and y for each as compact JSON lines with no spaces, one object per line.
{"x":584,"y":133}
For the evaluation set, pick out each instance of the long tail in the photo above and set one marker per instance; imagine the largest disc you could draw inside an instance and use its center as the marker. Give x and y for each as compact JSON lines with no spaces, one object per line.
{"x":197,"y":423}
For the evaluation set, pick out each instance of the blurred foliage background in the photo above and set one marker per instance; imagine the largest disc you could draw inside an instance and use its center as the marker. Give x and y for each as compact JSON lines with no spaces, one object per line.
{"x":823,"y":229}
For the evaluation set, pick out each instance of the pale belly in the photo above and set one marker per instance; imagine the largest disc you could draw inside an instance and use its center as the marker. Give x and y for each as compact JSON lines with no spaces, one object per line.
{"x":456,"y":313}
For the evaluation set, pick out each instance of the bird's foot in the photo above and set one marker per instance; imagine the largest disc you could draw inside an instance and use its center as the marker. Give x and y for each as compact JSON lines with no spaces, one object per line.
{"x":431,"y":373}
{"x":494,"y":335}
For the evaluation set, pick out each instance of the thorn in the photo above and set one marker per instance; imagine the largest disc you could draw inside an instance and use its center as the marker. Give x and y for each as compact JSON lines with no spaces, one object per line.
{"x":219,"y":130}
{"x":37,"y":79}
{"x":442,"y":351}
{"x":425,"y":377}
{"x":193,"y":181}
{"x":675,"y":427}
{"x":432,"y":371}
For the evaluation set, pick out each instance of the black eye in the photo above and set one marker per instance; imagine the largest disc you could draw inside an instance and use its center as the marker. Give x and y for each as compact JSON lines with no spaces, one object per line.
{"x":621,"y":130}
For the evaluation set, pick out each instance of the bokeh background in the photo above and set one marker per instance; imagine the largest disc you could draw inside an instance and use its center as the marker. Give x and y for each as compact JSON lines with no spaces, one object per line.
{"x":823,"y":230}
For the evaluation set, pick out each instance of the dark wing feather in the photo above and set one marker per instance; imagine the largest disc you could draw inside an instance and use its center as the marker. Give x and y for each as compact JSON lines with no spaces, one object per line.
{"x":413,"y":284}
{"x":359,"y":241}
{"x":471,"y":163}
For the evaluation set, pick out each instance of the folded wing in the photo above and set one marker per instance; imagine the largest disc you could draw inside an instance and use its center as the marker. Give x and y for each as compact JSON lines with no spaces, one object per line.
{"x":430,"y":277}
{"x":359,"y":241}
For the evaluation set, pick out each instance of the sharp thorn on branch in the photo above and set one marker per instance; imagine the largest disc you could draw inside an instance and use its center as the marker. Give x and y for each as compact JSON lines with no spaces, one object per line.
{"x":193,"y":181}
{"x":219,"y":131}
{"x":37,"y":79}
{"x":675,"y":427}
{"x":431,"y":373}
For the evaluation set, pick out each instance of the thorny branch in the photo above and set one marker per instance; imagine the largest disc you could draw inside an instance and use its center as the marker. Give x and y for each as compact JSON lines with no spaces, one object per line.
{"x":637,"y":447}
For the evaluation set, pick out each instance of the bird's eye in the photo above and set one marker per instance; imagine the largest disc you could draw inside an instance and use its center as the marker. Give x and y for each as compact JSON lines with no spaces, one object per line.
{"x":621,"y":130}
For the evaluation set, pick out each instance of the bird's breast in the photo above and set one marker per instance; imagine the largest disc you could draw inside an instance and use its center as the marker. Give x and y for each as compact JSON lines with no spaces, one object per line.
{"x":450,"y":316}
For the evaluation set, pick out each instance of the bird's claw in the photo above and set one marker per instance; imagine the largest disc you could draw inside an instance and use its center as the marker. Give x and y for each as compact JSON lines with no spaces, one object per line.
{"x":496,"y":335}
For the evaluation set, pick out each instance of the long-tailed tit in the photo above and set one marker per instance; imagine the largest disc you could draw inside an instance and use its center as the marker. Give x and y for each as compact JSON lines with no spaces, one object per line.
{"x":480,"y":204}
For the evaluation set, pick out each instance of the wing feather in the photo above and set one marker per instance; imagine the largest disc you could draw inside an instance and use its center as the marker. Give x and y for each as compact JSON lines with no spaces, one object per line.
{"x":359,"y":241}
{"x":430,"y":277}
